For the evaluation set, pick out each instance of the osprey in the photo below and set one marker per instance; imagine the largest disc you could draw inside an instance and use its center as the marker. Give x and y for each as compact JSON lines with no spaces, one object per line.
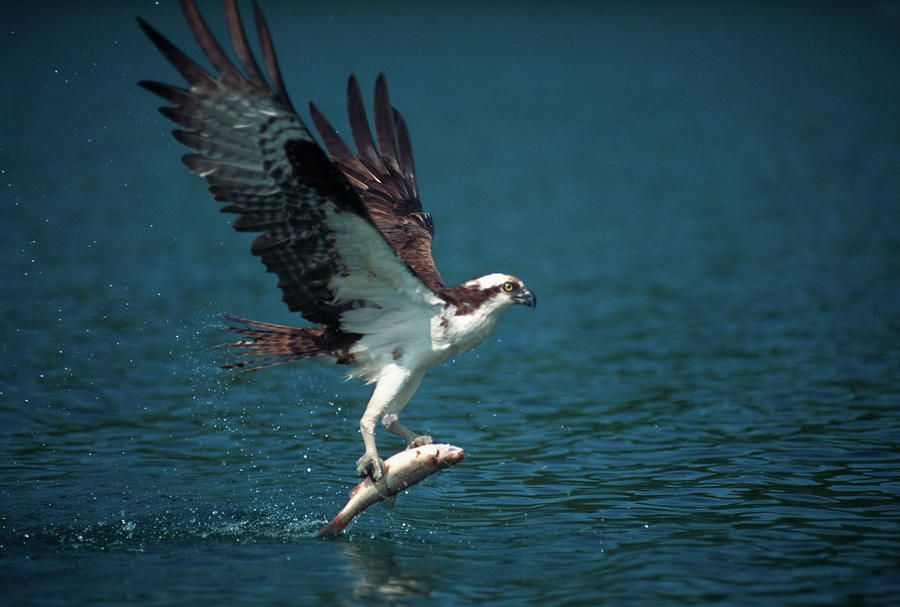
{"x":344,"y":232}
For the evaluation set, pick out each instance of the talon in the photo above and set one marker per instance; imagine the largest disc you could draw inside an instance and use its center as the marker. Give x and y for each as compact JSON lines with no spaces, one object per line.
{"x":370,"y":465}
{"x":419,"y":441}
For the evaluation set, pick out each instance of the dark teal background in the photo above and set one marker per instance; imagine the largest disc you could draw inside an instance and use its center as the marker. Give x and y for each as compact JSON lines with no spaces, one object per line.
{"x":704,"y":408}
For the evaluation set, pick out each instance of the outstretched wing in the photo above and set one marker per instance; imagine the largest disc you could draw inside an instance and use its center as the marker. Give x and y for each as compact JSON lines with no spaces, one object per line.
{"x":256,"y":154}
{"x":384,"y":177}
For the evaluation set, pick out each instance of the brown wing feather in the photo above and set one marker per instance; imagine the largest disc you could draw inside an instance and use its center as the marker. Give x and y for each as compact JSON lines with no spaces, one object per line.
{"x":384,"y":177}
{"x":257,"y":155}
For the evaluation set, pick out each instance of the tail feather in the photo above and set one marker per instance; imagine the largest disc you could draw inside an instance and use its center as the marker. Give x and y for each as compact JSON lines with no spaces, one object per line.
{"x":268,"y":344}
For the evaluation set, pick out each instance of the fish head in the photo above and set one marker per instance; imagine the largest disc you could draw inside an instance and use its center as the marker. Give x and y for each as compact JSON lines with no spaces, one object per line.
{"x":447,"y":455}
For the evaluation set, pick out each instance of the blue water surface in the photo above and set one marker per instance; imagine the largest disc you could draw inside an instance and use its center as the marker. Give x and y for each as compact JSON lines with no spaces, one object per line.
{"x":703,"y":408}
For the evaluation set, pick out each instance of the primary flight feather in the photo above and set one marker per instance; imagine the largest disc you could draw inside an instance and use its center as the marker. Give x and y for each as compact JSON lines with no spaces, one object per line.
{"x":344,"y":231}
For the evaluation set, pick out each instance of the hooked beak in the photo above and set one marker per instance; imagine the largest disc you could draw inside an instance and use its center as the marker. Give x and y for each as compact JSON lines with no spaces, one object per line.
{"x":526,"y":298}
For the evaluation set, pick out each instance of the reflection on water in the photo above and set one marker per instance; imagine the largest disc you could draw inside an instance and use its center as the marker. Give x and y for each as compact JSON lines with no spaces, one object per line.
{"x":378,"y":576}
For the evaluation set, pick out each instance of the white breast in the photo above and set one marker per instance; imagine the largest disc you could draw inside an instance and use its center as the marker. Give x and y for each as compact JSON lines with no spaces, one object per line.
{"x":418,"y":339}
{"x":453,"y":333}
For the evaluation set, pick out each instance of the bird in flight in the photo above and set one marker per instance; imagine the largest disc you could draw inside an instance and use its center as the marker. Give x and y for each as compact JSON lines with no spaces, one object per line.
{"x":343,"y":231}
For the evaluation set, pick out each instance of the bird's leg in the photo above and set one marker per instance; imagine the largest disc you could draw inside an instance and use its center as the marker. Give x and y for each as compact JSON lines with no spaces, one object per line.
{"x":391,"y":419}
{"x":370,"y":464}
{"x":395,"y":386}
{"x":413,"y":439}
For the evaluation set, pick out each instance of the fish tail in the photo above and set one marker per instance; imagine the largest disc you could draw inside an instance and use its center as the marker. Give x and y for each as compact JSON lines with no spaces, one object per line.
{"x":336,"y":525}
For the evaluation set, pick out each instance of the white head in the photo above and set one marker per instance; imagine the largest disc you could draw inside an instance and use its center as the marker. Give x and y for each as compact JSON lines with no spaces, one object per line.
{"x":474,"y":307}
{"x":502,"y":289}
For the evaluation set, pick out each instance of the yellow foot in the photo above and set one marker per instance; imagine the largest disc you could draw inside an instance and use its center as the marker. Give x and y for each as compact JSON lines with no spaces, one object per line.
{"x":370,"y":465}
{"x":419,"y":441}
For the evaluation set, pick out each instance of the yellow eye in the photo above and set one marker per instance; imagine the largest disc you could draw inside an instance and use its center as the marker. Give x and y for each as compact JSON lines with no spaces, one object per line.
{"x":509,"y":287}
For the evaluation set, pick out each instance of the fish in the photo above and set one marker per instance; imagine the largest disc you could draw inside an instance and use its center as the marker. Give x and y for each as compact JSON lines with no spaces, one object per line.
{"x":401,"y":471}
